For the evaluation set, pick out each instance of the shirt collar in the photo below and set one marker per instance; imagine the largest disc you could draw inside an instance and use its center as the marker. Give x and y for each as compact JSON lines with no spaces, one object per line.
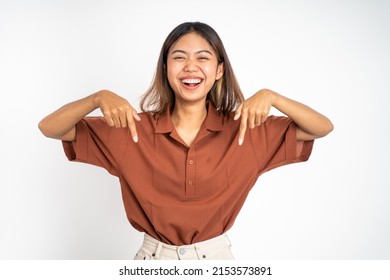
{"x":213,"y":121}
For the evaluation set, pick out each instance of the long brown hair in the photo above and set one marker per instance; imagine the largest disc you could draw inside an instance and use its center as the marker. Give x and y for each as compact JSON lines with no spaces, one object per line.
{"x":225,"y":94}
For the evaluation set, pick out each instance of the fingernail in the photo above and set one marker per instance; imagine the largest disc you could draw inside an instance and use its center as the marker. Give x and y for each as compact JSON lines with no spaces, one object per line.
{"x":240,"y":142}
{"x":135,"y":139}
{"x":236,"y":117}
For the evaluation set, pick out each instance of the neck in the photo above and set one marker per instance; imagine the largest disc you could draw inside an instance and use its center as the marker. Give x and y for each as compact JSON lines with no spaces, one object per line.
{"x":188,"y":117}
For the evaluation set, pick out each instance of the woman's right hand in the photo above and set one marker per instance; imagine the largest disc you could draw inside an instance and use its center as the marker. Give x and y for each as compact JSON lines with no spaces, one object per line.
{"x":117,"y":111}
{"x":61,"y":124}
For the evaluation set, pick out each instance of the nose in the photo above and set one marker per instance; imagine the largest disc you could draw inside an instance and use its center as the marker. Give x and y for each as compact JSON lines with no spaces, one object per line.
{"x":190,"y":66}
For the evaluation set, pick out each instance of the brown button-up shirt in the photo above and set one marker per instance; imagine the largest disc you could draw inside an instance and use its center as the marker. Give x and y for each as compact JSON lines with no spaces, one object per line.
{"x":180,"y":194}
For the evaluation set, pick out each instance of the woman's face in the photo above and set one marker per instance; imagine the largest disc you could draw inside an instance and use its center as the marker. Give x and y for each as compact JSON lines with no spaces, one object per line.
{"x":192,"y":68}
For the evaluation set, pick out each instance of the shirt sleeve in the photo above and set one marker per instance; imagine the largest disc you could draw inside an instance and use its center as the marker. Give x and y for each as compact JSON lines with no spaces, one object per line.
{"x":97,"y":144}
{"x":275,"y":144}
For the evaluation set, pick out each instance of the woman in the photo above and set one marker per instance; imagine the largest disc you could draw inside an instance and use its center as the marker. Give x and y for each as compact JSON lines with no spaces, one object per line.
{"x":187,"y":162}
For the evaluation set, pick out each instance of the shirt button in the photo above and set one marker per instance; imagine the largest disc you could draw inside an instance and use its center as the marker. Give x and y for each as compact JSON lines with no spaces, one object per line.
{"x":190,"y":182}
{"x":191,"y":162}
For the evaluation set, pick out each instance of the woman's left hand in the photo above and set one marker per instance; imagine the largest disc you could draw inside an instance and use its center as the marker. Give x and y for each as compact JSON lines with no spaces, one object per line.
{"x":254,"y":111}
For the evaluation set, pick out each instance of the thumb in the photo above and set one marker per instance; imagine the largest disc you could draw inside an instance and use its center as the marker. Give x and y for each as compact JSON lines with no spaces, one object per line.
{"x":238,"y":112}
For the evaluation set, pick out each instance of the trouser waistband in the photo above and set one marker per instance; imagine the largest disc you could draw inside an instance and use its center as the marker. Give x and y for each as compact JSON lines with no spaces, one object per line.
{"x":215,"y":248}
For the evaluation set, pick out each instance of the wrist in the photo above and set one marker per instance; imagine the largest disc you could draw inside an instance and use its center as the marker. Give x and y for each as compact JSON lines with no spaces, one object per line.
{"x":272,"y":96}
{"x":97,"y":97}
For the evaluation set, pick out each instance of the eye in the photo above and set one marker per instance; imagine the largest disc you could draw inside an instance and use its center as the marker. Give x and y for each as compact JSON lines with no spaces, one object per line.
{"x":179,"y":58}
{"x":203,"y":58}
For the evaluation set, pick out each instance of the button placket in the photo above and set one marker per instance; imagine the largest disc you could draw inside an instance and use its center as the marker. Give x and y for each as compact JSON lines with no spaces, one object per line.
{"x":191,"y":172}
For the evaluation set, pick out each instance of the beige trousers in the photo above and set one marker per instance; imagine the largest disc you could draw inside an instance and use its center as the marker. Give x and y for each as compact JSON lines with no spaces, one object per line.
{"x":217,"y":248}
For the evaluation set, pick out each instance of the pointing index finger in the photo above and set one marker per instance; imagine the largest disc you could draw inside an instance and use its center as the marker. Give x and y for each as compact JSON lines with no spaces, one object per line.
{"x":131,"y":115}
{"x":242,"y":129}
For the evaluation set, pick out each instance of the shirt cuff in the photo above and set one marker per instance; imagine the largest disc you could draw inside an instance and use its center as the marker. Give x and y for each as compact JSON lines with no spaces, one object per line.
{"x":77,"y":150}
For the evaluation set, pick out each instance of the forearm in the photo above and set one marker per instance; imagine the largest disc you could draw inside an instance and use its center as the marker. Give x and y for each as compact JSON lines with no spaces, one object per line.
{"x":61,"y":123}
{"x":311,"y":123}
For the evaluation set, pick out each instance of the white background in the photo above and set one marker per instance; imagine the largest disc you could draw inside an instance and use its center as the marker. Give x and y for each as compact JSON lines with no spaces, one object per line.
{"x":331,"y":55}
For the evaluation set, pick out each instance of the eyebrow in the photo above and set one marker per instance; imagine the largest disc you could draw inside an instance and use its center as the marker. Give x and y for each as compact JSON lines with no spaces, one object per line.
{"x":198,"y":52}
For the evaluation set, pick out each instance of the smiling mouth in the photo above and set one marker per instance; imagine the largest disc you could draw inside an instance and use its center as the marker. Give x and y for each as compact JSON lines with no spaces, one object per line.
{"x":191,"y":83}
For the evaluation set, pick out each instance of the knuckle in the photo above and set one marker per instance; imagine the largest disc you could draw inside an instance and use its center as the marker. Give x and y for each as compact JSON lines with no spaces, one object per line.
{"x":252,"y":110}
{"x":259,"y":111}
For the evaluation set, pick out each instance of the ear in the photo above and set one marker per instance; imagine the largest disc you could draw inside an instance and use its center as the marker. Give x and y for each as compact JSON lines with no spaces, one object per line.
{"x":220,"y":71}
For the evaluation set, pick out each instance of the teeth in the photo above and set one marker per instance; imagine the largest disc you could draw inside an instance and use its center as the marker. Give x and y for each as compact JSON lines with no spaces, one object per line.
{"x":191,"y":81}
